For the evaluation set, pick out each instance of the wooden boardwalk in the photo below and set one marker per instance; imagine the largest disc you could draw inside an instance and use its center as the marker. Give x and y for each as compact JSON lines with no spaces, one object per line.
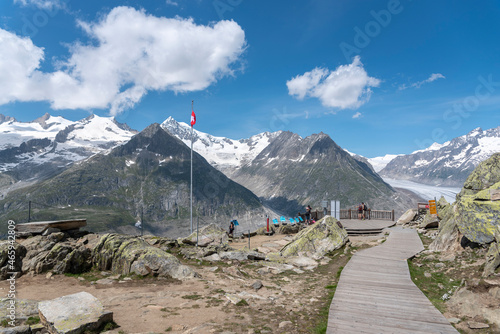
{"x":375,"y":293}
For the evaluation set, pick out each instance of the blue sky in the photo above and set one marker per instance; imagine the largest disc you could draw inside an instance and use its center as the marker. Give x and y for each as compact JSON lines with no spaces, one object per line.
{"x":377,"y":76}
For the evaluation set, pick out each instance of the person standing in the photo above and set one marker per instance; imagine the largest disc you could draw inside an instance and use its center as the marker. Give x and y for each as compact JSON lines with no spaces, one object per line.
{"x":231,"y":228}
{"x":365,"y":210}
{"x":308,"y":214}
{"x":360,"y":211}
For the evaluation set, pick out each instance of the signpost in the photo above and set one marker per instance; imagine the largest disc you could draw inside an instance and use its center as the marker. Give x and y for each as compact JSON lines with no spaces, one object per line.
{"x":432,"y":207}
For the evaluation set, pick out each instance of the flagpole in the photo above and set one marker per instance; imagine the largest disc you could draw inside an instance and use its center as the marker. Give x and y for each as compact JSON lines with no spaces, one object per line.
{"x":191,"y":209}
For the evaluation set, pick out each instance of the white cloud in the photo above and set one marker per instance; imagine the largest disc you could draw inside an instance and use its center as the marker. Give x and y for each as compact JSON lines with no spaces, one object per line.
{"x":42,"y":4}
{"x":348,"y":87}
{"x":432,"y":77}
{"x":173,"y":3}
{"x":357,"y":115}
{"x":132,"y":53}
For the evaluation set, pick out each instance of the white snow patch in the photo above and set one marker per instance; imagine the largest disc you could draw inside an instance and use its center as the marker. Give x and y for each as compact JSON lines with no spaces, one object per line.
{"x":379,"y":163}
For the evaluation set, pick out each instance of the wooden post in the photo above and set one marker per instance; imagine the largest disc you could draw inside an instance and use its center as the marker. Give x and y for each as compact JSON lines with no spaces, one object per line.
{"x":392,"y":214}
{"x":350,"y":214}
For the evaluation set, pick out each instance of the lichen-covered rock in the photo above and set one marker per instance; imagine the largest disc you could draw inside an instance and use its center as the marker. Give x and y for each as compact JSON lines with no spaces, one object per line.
{"x":288,"y":229}
{"x":430,"y":221}
{"x":444,"y":209}
{"x":476,"y":211}
{"x":160,"y":242}
{"x":25,"y":329}
{"x":11,"y":257}
{"x":492,"y":259}
{"x":486,"y":174}
{"x":73,"y":314}
{"x":25,"y":308}
{"x":125,"y":255}
{"x":478,"y":216}
{"x":407,"y":217}
{"x":242,"y":255}
{"x":493,"y":255}
{"x":317,"y":240}
{"x":201,"y":252}
{"x":448,"y":238}
{"x":63,"y":257}
{"x":263,"y":230}
{"x":208,"y":235}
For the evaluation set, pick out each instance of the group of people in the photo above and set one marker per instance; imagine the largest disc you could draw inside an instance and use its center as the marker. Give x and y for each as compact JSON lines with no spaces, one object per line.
{"x":362,"y":211}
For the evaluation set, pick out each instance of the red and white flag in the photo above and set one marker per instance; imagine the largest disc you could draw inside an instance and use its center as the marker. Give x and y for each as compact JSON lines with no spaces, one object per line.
{"x":193,"y":118}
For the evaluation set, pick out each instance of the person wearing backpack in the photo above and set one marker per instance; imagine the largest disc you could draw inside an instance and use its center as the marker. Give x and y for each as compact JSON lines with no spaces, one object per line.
{"x":365,"y":210}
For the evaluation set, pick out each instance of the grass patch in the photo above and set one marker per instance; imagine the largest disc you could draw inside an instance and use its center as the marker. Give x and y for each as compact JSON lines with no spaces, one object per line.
{"x":324,"y":311}
{"x":242,"y":302}
{"x":110,"y":326}
{"x":4,"y":323}
{"x":192,"y":297}
{"x":33,"y":320}
{"x":437,"y":288}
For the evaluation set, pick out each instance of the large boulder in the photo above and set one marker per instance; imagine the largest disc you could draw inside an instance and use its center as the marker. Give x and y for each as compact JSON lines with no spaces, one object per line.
{"x":208,"y":235}
{"x":125,"y":255}
{"x":73,"y":314}
{"x":478,"y":214}
{"x":430,"y":221}
{"x":317,"y":240}
{"x":24,"y":309}
{"x":476,"y":211}
{"x":288,"y":229}
{"x":407,"y":217}
{"x":11,"y":257}
{"x":448,"y":238}
{"x":486,"y":174}
{"x":493,"y":255}
{"x":44,"y":253}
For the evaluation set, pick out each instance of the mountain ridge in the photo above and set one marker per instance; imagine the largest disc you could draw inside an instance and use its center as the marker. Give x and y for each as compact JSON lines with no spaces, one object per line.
{"x":446,"y":164}
{"x":148,"y":176}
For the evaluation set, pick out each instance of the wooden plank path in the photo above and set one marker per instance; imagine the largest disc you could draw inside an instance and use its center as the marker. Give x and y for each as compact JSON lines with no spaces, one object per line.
{"x":375,"y":293}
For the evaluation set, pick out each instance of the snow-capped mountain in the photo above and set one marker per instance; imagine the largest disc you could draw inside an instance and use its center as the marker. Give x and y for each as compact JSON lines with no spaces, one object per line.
{"x":46,"y":146}
{"x":446,"y":164}
{"x":287,"y":171}
{"x":223,"y":153}
{"x":14,"y":133}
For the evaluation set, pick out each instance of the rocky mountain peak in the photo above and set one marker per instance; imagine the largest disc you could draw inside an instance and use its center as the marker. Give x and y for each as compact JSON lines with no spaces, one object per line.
{"x":43,"y":121}
{"x":4,"y":119}
{"x":151,"y":130}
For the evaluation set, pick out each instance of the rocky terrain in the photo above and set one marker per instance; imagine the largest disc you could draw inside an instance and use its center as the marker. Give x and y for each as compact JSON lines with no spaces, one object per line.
{"x":154,"y":284}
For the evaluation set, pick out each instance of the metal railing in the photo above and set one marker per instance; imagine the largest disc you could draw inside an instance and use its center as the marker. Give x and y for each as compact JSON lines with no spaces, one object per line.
{"x":353,"y":214}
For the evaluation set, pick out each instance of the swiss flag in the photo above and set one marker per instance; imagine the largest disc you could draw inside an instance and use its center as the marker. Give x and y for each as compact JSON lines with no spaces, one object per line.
{"x":193,"y":118}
